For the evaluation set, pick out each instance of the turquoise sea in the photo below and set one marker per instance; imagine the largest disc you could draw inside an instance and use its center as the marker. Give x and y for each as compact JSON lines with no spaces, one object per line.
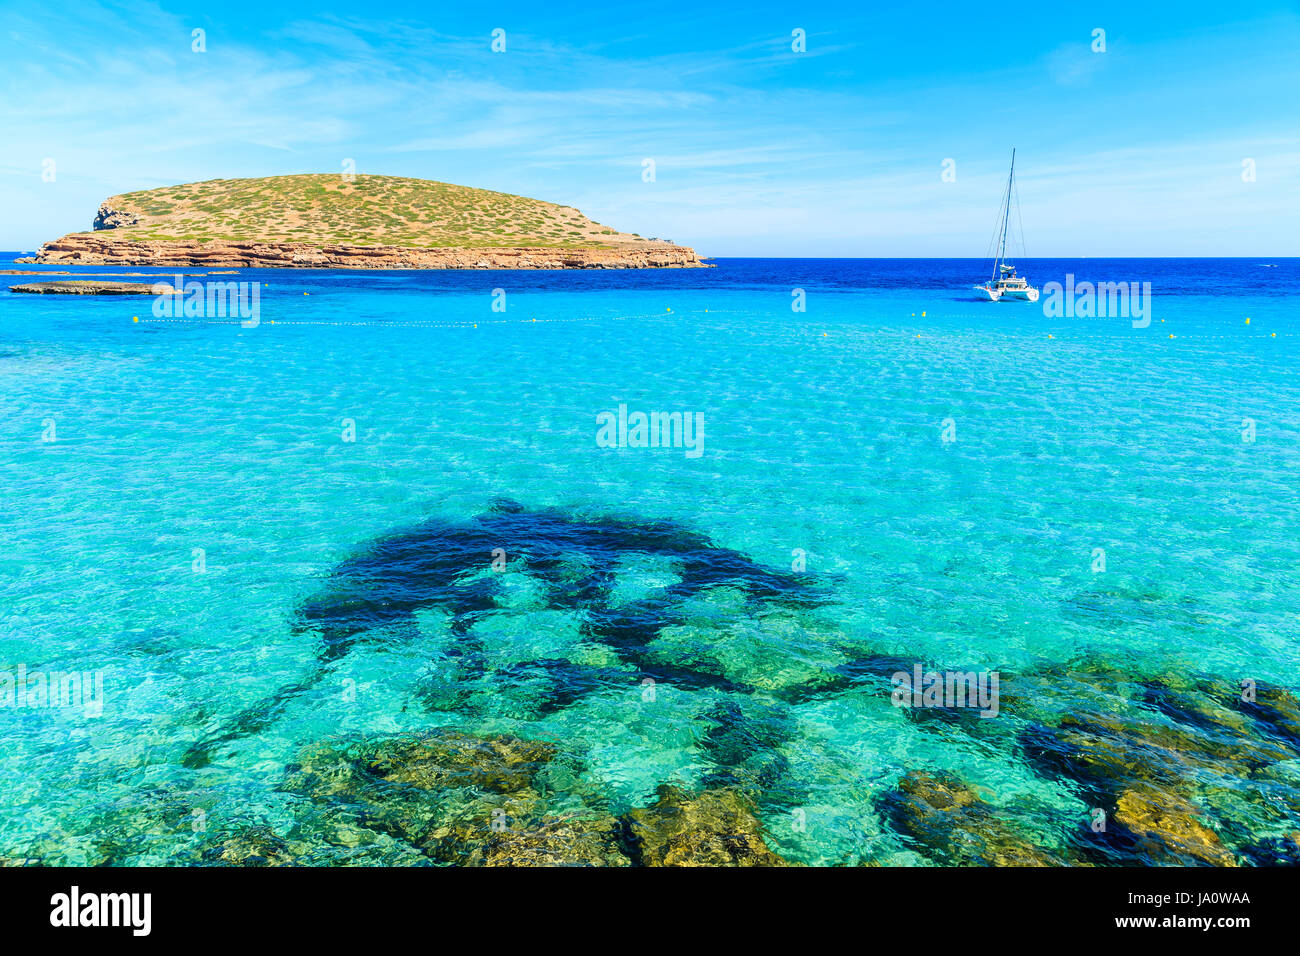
{"x":270,"y":539}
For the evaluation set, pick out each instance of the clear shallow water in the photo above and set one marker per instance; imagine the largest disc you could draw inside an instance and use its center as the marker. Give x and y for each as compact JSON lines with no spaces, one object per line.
{"x":822,"y":432}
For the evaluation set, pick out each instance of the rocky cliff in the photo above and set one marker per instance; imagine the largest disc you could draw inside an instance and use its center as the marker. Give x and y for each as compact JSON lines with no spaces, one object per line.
{"x":109,"y":218}
{"x":92,"y":249}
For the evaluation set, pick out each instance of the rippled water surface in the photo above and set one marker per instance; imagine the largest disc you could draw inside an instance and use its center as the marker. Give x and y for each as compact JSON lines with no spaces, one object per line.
{"x":900,"y":474}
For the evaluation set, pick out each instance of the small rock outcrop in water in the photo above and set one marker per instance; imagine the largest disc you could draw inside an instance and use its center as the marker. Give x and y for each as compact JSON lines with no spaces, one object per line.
{"x":85,"y":287}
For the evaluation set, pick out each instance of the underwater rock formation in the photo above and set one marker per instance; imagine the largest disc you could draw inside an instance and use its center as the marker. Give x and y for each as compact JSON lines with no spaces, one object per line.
{"x":433,"y":761}
{"x":1168,"y":830}
{"x":499,"y":764}
{"x":1098,"y":752}
{"x":949,"y":821}
{"x":441,"y":565}
{"x":403,"y":786}
{"x":467,"y":800}
{"x":1275,"y":851}
{"x":458,"y":798}
{"x":1181,"y":766}
{"x":432,"y":565}
{"x":1165,"y":760}
{"x":570,"y":840}
{"x":711,"y":828}
{"x":741,"y":741}
{"x":254,"y":846}
{"x":1277,"y":709}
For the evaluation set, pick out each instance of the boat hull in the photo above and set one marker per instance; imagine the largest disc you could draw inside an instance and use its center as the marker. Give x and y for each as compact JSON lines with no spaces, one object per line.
{"x":996,"y":294}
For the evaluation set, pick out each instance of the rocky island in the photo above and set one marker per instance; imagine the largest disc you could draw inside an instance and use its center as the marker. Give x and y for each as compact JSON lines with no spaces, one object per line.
{"x":359,"y":222}
{"x":82,"y":287}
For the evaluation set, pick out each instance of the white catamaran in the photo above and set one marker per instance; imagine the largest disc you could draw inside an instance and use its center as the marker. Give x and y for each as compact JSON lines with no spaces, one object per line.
{"x":1005,"y":284}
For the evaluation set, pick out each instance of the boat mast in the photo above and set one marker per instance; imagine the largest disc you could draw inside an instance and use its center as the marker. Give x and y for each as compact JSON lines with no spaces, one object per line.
{"x":1006,"y":214}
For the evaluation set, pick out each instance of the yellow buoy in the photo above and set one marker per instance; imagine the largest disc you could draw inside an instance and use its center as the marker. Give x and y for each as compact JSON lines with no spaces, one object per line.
{"x":1171,"y":335}
{"x":1248,"y":320}
{"x":135,"y":318}
{"x":306,"y":293}
{"x":923,"y":315}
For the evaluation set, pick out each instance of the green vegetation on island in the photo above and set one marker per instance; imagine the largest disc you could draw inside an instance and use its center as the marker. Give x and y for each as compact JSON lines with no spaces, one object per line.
{"x":326,"y":209}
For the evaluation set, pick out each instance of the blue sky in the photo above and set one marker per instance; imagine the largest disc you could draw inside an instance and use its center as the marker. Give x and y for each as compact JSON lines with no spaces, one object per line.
{"x":837,"y":151}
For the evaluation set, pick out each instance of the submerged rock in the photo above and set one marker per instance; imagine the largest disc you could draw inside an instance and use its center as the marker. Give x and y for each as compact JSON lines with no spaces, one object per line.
{"x":459,"y":798}
{"x":1278,"y":709}
{"x":1174,"y":762}
{"x":254,"y":846}
{"x":1267,"y":726}
{"x":949,"y":820}
{"x":1108,"y":728}
{"x":1104,"y":753}
{"x":1275,"y":851}
{"x":470,"y":800}
{"x":567,"y":840}
{"x":409,"y":785}
{"x":1168,"y":830}
{"x":87,"y":287}
{"x":742,"y":740}
{"x":437,"y":760}
{"x":443,"y":567}
{"x":711,"y":828}
{"x":500,"y":764}
{"x":137,"y":827}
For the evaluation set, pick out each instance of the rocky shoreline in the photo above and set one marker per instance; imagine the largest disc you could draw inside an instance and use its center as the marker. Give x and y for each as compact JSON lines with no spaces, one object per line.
{"x":92,"y":249}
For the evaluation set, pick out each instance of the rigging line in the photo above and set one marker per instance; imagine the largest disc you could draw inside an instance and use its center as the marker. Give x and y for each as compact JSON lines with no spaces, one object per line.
{"x":991,"y":254}
{"x":1023,"y":252}
{"x":988,"y":253}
